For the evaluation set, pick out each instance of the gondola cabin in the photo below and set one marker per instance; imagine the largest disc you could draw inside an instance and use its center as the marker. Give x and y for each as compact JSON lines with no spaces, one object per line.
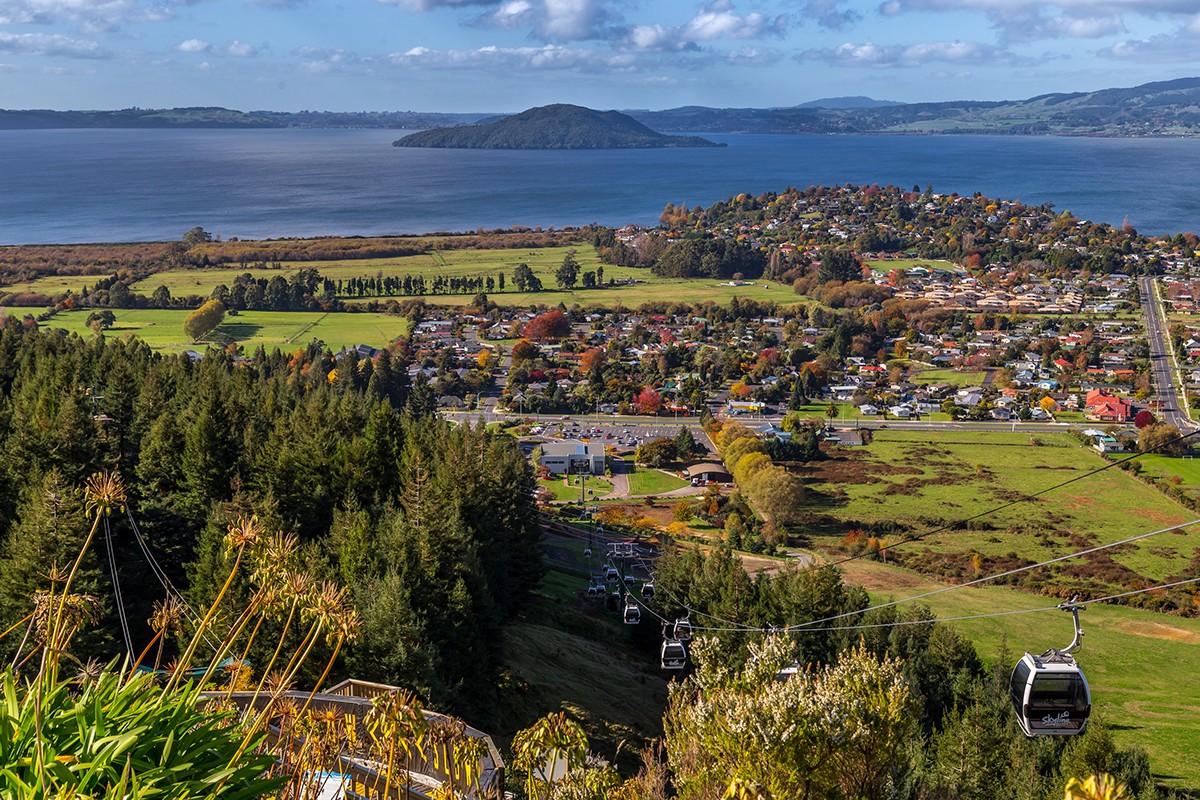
{"x":648,"y":590}
{"x":1050,"y":695}
{"x":674,"y":654}
{"x":611,"y":575}
{"x":633,"y":614}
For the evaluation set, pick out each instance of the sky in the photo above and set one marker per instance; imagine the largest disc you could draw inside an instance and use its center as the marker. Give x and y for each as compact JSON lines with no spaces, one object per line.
{"x":508,"y":55}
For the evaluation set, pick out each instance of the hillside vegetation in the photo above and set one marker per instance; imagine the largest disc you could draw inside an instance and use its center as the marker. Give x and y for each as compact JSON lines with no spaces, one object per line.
{"x":554,"y":127}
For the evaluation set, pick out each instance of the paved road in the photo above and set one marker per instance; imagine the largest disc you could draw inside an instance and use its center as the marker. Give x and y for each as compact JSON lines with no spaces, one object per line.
{"x":694,"y":422}
{"x":1162,"y":360}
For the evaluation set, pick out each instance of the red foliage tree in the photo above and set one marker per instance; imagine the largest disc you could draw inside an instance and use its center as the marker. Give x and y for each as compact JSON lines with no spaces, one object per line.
{"x":648,"y":401}
{"x":1143,"y":418}
{"x":549,"y":326}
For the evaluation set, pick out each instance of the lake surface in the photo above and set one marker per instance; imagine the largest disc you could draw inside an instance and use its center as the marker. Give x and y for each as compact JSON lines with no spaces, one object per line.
{"x":73,"y":186}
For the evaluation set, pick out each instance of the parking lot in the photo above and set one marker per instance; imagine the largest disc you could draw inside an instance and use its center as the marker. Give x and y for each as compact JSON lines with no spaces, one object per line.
{"x":621,"y":436}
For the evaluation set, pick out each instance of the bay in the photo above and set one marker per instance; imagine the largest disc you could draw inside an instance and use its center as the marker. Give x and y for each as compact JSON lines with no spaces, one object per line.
{"x":71,"y":186}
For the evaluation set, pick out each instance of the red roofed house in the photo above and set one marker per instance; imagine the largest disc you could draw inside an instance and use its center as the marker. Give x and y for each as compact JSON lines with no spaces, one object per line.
{"x":1104,"y":407}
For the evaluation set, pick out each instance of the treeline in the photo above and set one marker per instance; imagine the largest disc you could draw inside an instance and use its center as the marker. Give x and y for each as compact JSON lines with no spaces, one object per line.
{"x":902,"y":707}
{"x":336,"y":248}
{"x":413,"y":285}
{"x":432,"y":527}
{"x":694,"y":256}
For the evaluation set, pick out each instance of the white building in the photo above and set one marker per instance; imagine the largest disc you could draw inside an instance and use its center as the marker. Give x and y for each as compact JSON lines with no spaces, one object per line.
{"x":573,"y":457}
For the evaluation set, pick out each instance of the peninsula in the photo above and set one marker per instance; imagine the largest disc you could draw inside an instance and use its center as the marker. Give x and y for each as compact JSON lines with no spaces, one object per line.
{"x":553,"y":127}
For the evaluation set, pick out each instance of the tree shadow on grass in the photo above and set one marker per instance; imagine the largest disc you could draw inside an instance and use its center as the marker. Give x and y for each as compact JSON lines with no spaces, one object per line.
{"x":235,"y":331}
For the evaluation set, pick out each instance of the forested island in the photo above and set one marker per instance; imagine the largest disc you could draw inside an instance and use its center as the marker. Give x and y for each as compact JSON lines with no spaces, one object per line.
{"x":555,"y":127}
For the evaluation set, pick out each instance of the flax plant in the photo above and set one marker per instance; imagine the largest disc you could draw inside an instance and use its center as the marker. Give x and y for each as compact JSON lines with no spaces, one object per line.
{"x":152,"y":737}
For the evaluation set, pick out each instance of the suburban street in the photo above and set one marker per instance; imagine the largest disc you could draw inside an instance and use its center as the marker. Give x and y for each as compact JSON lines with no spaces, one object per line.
{"x":1162,"y":360}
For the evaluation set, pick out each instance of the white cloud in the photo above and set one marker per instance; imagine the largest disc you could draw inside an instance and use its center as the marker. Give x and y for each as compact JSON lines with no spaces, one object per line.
{"x":87,"y":15}
{"x":869,"y":54}
{"x":238,"y":49}
{"x":556,"y":20}
{"x":546,"y":57}
{"x":828,"y":14}
{"x":317,"y":60}
{"x":429,"y":5}
{"x":233,"y":49}
{"x":712,"y":22}
{"x":1181,"y":46}
{"x":44,"y":44}
{"x":1030,"y":20}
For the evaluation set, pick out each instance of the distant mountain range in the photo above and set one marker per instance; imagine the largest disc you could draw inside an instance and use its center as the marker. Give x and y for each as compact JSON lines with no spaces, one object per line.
{"x":553,"y":127}
{"x":1166,"y":108}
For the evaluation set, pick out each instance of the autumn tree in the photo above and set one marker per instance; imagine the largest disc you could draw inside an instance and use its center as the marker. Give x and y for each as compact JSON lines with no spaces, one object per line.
{"x":648,"y":402}
{"x":204,"y":320}
{"x":549,"y":326}
{"x":524,"y":350}
{"x":593,"y":359}
{"x":1161,"y":438}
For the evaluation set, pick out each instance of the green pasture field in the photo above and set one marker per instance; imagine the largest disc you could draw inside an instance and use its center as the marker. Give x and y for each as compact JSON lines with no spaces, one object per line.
{"x":461,"y":263}
{"x":924,"y":479}
{"x":163,"y":329}
{"x":887,"y":265}
{"x":950,"y":377}
{"x":647,"y":481}
{"x":1141,"y":665}
{"x":1186,"y":470}
{"x":52,"y":285}
{"x":654,"y":290}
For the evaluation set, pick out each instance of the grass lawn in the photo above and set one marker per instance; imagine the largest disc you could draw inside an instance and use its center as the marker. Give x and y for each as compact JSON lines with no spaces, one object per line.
{"x":163,"y":330}
{"x":596,"y":488}
{"x":950,"y":377}
{"x":925,"y":479}
{"x":644,"y":480}
{"x":1184,"y":472}
{"x":1140,"y":664}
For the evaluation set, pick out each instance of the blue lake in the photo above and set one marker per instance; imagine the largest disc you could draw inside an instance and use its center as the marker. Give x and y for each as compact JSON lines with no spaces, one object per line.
{"x":137,"y":185}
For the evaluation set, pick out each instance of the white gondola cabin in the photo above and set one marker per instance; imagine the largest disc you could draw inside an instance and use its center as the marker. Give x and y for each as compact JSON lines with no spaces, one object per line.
{"x":633,"y":614}
{"x":1050,"y":692}
{"x":1050,"y":695}
{"x":673,"y":654}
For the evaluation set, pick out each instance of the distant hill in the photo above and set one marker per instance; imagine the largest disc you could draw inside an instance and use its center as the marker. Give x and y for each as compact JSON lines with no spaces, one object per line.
{"x":553,"y":127}
{"x":854,"y":101}
{"x":216,"y":117}
{"x":1165,"y":108}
